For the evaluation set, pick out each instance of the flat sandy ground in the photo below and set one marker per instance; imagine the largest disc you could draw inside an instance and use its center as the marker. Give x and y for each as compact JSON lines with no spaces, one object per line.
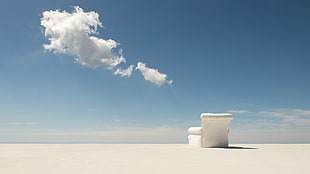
{"x":153,"y":158}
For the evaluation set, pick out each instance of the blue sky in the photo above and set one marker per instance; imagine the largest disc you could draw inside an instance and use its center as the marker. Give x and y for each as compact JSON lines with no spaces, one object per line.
{"x":249,"y":58}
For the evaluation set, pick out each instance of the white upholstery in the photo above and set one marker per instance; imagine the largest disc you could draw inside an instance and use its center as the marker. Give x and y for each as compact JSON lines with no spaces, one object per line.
{"x":195,"y":130}
{"x":213,"y":133}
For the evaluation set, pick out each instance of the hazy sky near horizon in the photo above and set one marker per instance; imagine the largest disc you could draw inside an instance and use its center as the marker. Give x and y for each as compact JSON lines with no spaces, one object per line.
{"x":143,"y":71}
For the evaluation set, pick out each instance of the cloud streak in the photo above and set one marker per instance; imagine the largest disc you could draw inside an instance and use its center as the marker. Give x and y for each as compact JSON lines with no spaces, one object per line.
{"x":285,"y":125}
{"x":24,"y":123}
{"x":113,"y":135}
{"x":76,"y":34}
{"x":295,"y":117}
{"x":238,"y":111}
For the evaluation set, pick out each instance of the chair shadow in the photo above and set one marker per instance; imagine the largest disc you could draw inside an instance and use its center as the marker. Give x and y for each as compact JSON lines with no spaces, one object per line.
{"x":239,"y":147}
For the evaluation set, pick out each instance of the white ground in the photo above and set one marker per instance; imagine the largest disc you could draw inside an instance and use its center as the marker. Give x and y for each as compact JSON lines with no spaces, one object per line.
{"x":151,"y":159}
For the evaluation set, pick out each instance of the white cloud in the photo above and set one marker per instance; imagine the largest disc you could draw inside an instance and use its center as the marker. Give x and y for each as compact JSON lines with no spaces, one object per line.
{"x":124,"y":72}
{"x":73,"y":34}
{"x":152,"y":75}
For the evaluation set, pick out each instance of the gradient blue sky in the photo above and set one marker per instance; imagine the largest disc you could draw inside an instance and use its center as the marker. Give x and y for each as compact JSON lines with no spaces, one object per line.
{"x":249,"y":58}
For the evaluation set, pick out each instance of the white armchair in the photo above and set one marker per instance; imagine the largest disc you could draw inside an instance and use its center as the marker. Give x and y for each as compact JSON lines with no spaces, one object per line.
{"x":213,"y":133}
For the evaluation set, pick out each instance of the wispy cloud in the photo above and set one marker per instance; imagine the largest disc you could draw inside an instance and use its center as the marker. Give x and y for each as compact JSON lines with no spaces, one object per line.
{"x":272,"y":126}
{"x":124,"y":72}
{"x":238,"y":111}
{"x":128,"y":131}
{"x":294,"y":117}
{"x":280,"y":135}
{"x":287,"y":116}
{"x":24,"y":123}
{"x":76,"y":34}
{"x":120,"y":135}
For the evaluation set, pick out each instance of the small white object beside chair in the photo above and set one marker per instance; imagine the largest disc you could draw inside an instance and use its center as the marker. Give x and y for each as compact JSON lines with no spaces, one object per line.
{"x":213,"y":133}
{"x":195,"y":136}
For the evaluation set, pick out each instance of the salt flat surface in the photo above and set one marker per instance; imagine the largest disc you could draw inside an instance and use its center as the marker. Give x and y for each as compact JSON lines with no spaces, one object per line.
{"x":153,"y":159}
